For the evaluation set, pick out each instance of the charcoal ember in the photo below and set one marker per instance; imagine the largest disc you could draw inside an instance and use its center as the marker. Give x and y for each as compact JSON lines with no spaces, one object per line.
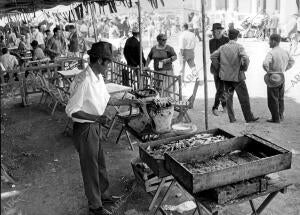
{"x":198,"y":139}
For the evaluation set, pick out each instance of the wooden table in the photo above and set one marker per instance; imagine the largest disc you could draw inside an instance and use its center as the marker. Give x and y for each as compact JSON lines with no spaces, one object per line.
{"x":211,"y":207}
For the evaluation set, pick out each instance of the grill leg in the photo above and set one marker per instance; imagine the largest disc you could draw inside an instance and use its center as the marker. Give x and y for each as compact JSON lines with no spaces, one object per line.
{"x":157,"y":193}
{"x":266,"y":202}
{"x":165,"y":196}
{"x":120,"y":134}
{"x":111,"y":127}
{"x":252,"y":207}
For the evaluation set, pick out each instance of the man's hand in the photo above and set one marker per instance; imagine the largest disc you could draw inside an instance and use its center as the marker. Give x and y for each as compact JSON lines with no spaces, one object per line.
{"x":166,"y":60}
{"x":103,"y":119}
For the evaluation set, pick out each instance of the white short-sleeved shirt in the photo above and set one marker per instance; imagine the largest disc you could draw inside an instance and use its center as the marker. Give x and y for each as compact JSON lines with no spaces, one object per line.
{"x":187,"y":40}
{"x":88,"y":93}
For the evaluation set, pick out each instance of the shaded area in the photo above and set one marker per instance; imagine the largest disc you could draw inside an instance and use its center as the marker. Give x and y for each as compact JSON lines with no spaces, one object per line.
{"x":45,"y":164}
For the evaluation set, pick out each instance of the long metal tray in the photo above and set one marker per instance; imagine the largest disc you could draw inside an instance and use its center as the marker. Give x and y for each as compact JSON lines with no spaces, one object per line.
{"x":270,"y":158}
{"x":157,"y":163}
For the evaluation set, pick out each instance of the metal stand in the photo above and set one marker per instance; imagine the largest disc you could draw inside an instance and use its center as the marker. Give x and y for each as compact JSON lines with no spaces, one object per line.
{"x":211,"y":207}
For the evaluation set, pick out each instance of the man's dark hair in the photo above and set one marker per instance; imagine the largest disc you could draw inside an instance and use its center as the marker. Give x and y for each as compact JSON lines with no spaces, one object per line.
{"x":4,"y":50}
{"x":275,"y":37}
{"x":55,"y":30}
{"x":185,"y":26}
{"x":233,"y":34}
{"x":93,"y":59}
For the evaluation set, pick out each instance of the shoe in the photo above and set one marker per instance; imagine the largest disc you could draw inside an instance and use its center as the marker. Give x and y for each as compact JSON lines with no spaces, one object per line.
{"x":272,"y":121}
{"x":281,"y":117}
{"x":232,"y":121}
{"x":110,"y":199}
{"x":99,"y":211}
{"x":253,"y":120}
{"x":215,"y":112}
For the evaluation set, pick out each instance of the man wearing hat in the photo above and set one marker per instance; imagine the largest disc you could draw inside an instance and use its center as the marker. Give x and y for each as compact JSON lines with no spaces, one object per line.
{"x":187,"y":43}
{"x":132,"y":49}
{"x":218,"y":40}
{"x":275,"y":64}
{"x":88,"y":100}
{"x":233,"y":62}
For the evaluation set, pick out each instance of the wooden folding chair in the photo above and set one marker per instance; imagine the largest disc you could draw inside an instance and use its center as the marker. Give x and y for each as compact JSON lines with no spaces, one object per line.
{"x":182,"y":107}
{"x":123,"y":117}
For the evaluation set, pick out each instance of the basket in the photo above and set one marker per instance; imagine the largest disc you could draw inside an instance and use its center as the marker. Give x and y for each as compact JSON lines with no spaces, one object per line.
{"x":162,"y":118}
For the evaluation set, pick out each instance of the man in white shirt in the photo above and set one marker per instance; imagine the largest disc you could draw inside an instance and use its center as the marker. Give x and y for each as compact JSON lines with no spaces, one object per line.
{"x":8,"y":61}
{"x":88,"y":100}
{"x":187,"y":44}
{"x":275,"y":64}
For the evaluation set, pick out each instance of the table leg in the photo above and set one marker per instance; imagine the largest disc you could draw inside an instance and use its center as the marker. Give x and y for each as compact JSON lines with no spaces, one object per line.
{"x":129,"y":140}
{"x":252,"y":207}
{"x":165,"y":196}
{"x":265,"y":202}
{"x":161,"y":184}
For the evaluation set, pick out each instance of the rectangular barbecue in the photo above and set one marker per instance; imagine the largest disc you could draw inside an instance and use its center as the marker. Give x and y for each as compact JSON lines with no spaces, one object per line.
{"x":155,"y":158}
{"x":217,"y":164}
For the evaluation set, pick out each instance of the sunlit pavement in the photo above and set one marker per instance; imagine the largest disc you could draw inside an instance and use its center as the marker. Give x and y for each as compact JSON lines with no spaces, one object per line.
{"x":257,"y":51}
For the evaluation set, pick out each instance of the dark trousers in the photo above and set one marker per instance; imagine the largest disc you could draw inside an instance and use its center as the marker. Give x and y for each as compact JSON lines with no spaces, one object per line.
{"x":242,"y":92}
{"x":219,"y":97}
{"x":92,"y":161}
{"x":276,"y":102}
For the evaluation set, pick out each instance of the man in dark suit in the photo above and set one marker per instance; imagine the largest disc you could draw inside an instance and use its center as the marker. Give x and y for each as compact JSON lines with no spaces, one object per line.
{"x":73,"y":46}
{"x":132,"y":49}
{"x":218,"y":40}
{"x":132,"y":53}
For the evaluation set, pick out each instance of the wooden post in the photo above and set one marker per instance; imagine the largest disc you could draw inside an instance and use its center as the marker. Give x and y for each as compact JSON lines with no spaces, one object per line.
{"x":204,"y":62}
{"x":93,"y":20}
{"x":141,"y":47}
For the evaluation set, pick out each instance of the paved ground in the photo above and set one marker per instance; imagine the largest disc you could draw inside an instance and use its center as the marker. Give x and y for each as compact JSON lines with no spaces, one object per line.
{"x":46,"y":166}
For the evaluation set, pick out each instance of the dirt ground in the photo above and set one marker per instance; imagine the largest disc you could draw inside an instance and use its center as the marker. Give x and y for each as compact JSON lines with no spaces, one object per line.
{"x":46,"y":168}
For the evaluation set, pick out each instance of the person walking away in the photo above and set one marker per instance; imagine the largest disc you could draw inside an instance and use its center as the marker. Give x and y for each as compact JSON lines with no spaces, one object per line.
{"x":74,"y":44}
{"x":126,"y":26}
{"x":113,"y":31}
{"x":132,"y":53}
{"x":273,"y":25}
{"x":88,"y":100}
{"x":275,"y":64}
{"x":233,"y":62}
{"x":214,"y":44}
{"x":55,"y":47}
{"x":162,"y":55}
{"x":187,"y":44}
{"x":196,"y":26}
{"x":37,"y":52}
{"x":150,"y":31}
